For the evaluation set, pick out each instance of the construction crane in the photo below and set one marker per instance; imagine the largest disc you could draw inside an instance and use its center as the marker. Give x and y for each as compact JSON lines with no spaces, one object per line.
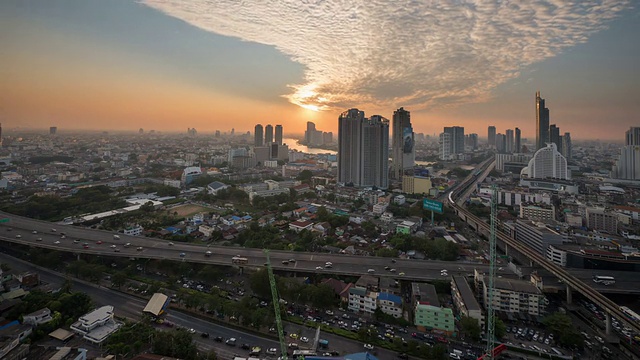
{"x":276,"y":306}
{"x":489,"y":351}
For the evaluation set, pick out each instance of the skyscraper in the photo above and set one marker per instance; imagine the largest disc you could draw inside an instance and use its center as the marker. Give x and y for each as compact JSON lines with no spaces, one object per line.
{"x":518,"y":142}
{"x":403,"y":152}
{"x":279,"y":134}
{"x":509,"y":141}
{"x":628,"y":164}
{"x":501,"y":143}
{"x":308,"y":134}
{"x":632,"y":136}
{"x":268,"y":134}
{"x":554,"y":136}
{"x":363,"y":149}
{"x":548,"y":163}
{"x":375,"y":152}
{"x":457,"y":138}
{"x":492,"y":136}
{"x":349,"y":145}
{"x":542,"y":122}
{"x":258,"y":136}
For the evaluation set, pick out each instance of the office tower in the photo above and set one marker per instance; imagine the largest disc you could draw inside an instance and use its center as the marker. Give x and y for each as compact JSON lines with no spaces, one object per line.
{"x":628,"y":164}
{"x":445,"y":146}
{"x":457,"y":138}
{"x":268,"y":134}
{"x":472,"y":141}
{"x":327,"y":137}
{"x":501,"y":143}
{"x":509,"y":141}
{"x":554,"y":136}
{"x":542,"y":122}
{"x":518,"y":141}
{"x":349,"y":145}
{"x":258,"y":136}
{"x":375,"y":152}
{"x":279,"y":134}
{"x":548,"y":163}
{"x":632,"y":136}
{"x":403,"y":151}
{"x":363,"y":149}
{"x":53,"y":130}
{"x":492,"y":136}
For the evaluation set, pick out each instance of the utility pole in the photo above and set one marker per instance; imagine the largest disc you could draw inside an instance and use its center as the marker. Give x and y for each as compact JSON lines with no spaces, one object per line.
{"x":492,"y":274}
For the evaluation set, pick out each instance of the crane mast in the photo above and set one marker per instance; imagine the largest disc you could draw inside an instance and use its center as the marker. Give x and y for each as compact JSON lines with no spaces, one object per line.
{"x":276,"y":307}
{"x":492,"y":274}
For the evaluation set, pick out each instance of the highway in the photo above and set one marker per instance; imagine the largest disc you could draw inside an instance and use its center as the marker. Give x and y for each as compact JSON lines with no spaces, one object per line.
{"x":76,"y":237}
{"x":573,"y":282}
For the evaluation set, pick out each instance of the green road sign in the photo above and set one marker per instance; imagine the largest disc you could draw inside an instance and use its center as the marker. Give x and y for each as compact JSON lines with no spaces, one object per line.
{"x":5,"y":220}
{"x":433,"y":205}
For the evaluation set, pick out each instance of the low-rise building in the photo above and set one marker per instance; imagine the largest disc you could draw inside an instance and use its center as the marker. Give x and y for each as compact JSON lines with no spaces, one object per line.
{"x":416,"y":184}
{"x":97,"y":325}
{"x":216,"y":186}
{"x":537,"y":212}
{"x":37,"y":317}
{"x":300,"y":225}
{"x":427,"y":313}
{"x":362,"y":300}
{"x":464,"y":300}
{"x":602,"y":220}
{"x":557,"y":255}
{"x":390,"y":304}
{"x":133,"y":230}
{"x":514,"y":296}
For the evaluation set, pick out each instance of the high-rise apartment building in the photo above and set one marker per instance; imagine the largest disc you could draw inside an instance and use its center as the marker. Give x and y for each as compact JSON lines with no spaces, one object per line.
{"x":542,"y":122}
{"x":518,"y":141}
{"x":471,"y":141}
{"x":509,"y":141}
{"x":566,"y":146}
{"x":445,"y":146}
{"x":363,"y":149}
{"x":268,"y":134}
{"x":279,"y":134}
{"x":403,"y":152}
{"x":501,"y":143}
{"x":457,"y":138}
{"x":492,"y":136}
{"x":548,"y":163}
{"x":554,"y":136}
{"x":628,"y":164}
{"x":258,"y":136}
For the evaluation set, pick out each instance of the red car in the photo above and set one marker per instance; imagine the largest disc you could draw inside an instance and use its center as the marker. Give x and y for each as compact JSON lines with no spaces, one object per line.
{"x":86,"y":246}
{"x":99,"y":242}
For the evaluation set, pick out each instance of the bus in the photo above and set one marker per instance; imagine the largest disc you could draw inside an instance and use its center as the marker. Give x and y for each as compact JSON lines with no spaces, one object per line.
{"x":632,"y":315}
{"x":239,"y":260}
{"x":605,"y":280}
{"x":297,"y":353}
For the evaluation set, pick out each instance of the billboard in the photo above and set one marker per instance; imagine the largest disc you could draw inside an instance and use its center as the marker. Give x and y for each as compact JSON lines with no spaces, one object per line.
{"x":433,"y":205}
{"x":407,"y":139}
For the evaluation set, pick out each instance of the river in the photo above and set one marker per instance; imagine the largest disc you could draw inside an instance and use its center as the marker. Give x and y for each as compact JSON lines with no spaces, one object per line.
{"x":293,"y":145}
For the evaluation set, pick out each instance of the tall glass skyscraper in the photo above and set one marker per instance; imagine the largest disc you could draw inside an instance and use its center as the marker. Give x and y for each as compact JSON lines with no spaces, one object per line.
{"x":268,"y":134}
{"x":542,"y":122}
{"x":279,"y":134}
{"x":403,"y":143}
{"x":258,"y":135}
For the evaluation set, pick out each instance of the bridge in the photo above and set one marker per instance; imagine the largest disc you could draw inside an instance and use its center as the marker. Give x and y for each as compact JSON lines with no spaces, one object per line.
{"x":572,"y":282}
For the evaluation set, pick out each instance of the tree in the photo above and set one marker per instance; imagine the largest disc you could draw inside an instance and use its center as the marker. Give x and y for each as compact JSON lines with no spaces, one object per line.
{"x":561,"y":325}
{"x":259,"y":283}
{"x":470,"y":327}
{"x":5,"y":267}
{"x":118,"y":279}
{"x":304,"y":175}
{"x":500,"y":329}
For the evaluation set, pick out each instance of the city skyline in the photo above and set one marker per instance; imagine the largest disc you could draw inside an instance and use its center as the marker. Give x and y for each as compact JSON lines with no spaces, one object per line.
{"x":160,"y":65}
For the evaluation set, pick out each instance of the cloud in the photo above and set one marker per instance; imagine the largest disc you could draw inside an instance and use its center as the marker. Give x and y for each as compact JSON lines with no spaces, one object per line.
{"x":414,"y":53}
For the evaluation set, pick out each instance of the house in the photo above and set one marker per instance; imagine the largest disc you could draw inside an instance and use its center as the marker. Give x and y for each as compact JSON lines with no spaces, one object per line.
{"x":216,"y":186}
{"x":322,"y":228}
{"x":37,"y":317}
{"x":339,"y":287}
{"x":299,"y":225}
{"x":362,"y":300}
{"x":390,"y":304}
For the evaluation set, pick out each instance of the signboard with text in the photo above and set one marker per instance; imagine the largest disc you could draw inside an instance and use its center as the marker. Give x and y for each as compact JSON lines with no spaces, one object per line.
{"x":433,"y":205}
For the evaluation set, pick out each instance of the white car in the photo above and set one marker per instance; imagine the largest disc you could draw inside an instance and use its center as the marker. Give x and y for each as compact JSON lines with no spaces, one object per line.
{"x":371,"y":271}
{"x":272,"y":351}
{"x":56,"y":242}
{"x":319,"y":267}
{"x":113,"y":246}
{"x":304,"y":339}
{"x":170,"y":244}
{"x":34,"y":232}
{"x":192,"y":331}
{"x":368,"y":346}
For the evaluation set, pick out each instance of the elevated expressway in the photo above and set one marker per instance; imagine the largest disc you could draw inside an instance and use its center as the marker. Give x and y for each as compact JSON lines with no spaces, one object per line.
{"x":572,"y":282}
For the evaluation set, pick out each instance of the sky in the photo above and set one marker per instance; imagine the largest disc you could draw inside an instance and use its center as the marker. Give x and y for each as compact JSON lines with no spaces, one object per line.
{"x":170,"y":65}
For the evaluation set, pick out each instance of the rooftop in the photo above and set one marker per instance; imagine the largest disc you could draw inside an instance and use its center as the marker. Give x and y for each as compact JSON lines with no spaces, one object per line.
{"x":465,"y":292}
{"x":97,"y":315}
{"x":516,"y":285}
{"x":156,"y":304}
{"x":425,"y":294}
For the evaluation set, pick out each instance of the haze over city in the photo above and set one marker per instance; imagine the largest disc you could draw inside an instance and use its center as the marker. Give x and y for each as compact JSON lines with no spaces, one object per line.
{"x":213,"y":65}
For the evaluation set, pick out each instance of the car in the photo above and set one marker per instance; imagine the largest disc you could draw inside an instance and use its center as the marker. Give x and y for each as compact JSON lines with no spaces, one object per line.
{"x":208,"y":253}
{"x":328,"y":263}
{"x":319,"y":267}
{"x":393,"y":270}
{"x":245,"y":347}
{"x":393,"y":261}
{"x":99,"y":242}
{"x":139,"y":248}
{"x":292,"y":260}
{"x":293,"y":335}
{"x":387,"y":267}
{"x":218,"y":339}
{"x":192,"y":331}
{"x":272,"y":351}
{"x":293,"y":346}
{"x":53,"y":230}
{"x":204,"y":335}
{"x":34,"y":232}
{"x":170,"y":244}
{"x":401,"y":274}
{"x":85,"y":246}
{"x":371,"y":270}
{"x":304,"y":339}
{"x":39,"y":239}
{"x":368,"y":347}
{"x":116,"y":250}
{"x":231,"y":341}
{"x":182,"y":254}
{"x":113,"y":246}
{"x":327,"y":266}
{"x":18,"y":236}
{"x":403,"y":356}
{"x":57,"y":242}
{"x":63,"y":236}
{"x":76,"y":241}
{"x":329,"y":312}
{"x":285,"y":262}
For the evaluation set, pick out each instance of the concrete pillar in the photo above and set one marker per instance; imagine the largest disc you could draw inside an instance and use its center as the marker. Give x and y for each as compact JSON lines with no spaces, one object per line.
{"x":569,"y":294}
{"x":506,"y":249}
{"x":607,"y":323}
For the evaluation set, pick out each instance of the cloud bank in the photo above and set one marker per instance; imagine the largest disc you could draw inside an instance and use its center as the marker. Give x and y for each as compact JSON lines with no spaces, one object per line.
{"x":421,"y":54}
